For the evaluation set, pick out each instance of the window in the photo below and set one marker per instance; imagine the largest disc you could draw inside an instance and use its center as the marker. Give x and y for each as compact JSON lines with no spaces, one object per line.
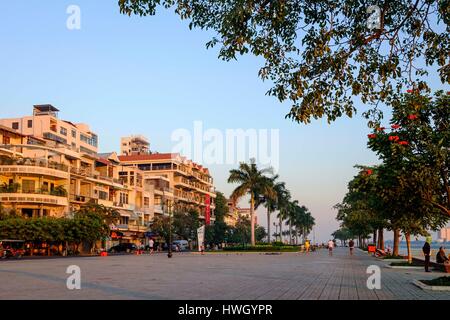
{"x":6,"y":140}
{"x":15,"y":125}
{"x":93,"y":141}
{"x":124,"y":198}
{"x":63,"y":131}
{"x":74,"y":134}
{"x":28,"y":186}
{"x":30,"y":123}
{"x":146,"y":202}
{"x":102,"y":195}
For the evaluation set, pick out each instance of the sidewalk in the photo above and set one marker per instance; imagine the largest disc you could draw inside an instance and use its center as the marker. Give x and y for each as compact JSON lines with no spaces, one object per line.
{"x":314,"y":276}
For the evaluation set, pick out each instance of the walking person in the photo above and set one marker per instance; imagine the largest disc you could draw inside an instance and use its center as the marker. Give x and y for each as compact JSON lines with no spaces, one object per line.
{"x":151,"y":244}
{"x":330,"y":247}
{"x":427,"y":252}
{"x":351,"y":244}
{"x":307,"y":246}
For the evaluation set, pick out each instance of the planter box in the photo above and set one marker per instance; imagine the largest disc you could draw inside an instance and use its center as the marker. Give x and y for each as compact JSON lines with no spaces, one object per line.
{"x":425,"y":287}
{"x":405,"y":267}
{"x":394,"y":260}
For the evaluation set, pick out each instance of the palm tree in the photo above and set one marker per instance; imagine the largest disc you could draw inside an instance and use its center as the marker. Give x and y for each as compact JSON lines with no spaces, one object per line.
{"x":291,"y":217}
{"x":272,"y":199}
{"x":284,"y":207}
{"x":299,"y":217}
{"x":253,"y":182}
{"x":306,"y":222}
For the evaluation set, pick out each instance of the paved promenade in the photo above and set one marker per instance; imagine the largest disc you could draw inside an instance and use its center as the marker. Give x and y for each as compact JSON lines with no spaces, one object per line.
{"x":214,"y":276}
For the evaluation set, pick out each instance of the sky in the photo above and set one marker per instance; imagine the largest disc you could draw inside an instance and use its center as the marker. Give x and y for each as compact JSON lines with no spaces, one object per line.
{"x":130,"y":75}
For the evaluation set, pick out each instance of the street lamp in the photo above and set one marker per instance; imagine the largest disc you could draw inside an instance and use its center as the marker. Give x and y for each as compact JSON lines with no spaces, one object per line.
{"x":170,"y":254}
{"x":169,"y":207}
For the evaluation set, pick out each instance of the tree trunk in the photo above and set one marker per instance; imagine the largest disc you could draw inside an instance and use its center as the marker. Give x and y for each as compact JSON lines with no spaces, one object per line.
{"x":375,"y":238}
{"x":408,"y":243}
{"x":268,"y":226}
{"x":252,"y":217}
{"x":396,"y":243}
{"x":381,"y":239}
{"x":281,"y":230}
{"x":290,"y":233}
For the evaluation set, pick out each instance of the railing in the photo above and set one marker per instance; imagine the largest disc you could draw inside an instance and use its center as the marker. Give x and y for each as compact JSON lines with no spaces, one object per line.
{"x":33,"y":163}
{"x":82,"y":199}
{"x":33,"y":198}
{"x":95,"y":175}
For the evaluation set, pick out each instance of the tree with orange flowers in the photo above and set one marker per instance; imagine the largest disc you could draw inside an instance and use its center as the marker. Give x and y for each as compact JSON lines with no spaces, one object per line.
{"x":419,"y":140}
{"x":415,"y":171}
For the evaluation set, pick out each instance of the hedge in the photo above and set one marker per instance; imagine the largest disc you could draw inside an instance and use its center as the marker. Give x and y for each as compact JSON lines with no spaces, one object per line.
{"x":263,"y":248}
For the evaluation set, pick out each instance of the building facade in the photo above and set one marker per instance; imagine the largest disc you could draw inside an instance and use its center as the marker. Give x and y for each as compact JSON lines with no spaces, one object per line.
{"x":134,"y":145}
{"x":187,"y":185}
{"x":445,"y":235}
{"x":45,"y":124}
{"x":235,"y":212}
{"x":51,"y":168}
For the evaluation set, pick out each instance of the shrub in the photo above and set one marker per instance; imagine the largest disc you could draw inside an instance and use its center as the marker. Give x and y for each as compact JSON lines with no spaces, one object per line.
{"x":444,"y":281}
{"x":265,"y":248}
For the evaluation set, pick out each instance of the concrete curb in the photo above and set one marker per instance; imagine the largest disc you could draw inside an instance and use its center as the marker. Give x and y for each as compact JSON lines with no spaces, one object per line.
{"x":425,"y":287}
{"x":404,"y":268}
{"x":393,"y":260}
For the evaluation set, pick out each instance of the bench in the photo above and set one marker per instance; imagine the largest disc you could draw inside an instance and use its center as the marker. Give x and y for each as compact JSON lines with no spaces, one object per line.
{"x":441,"y":267}
{"x":437,"y":266}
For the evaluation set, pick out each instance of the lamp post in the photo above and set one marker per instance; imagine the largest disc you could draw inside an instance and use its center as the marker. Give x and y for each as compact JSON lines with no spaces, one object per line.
{"x":170,"y":254}
{"x":169,"y":208}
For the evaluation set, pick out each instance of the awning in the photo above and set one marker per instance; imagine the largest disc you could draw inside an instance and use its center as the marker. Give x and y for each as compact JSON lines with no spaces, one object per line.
{"x":125,"y":213}
{"x":135,"y":216}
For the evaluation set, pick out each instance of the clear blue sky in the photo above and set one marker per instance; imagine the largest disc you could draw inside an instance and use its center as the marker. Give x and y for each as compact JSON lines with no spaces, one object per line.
{"x":152,"y":75}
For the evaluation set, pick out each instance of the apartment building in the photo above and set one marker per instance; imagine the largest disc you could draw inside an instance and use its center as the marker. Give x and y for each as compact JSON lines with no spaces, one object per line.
{"x":10,"y":136}
{"x":51,"y":167}
{"x":43,"y":173}
{"x":186,"y":185}
{"x":444,"y":235}
{"x":45,"y":124}
{"x":235,"y":212}
{"x":134,"y":145}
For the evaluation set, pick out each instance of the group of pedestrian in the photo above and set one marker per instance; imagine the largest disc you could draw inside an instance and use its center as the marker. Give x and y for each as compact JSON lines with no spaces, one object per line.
{"x":441,"y":257}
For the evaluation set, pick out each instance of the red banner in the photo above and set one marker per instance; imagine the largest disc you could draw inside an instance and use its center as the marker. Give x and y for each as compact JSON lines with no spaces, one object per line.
{"x":208,"y":210}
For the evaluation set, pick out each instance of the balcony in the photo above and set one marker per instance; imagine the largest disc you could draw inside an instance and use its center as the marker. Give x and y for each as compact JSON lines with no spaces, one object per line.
{"x":168,"y":192}
{"x":105,"y":203}
{"x":124,"y":206}
{"x":35,"y":198}
{"x":81,"y":199}
{"x":158,"y":209}
{"x":132,"y":228}
{"x":94,"y":175}
{"x":33,"y":166}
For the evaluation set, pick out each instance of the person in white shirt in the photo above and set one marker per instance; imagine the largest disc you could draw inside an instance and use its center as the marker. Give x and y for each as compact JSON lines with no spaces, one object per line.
{"x":151,"y":244}
{"x":330,"y":247}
